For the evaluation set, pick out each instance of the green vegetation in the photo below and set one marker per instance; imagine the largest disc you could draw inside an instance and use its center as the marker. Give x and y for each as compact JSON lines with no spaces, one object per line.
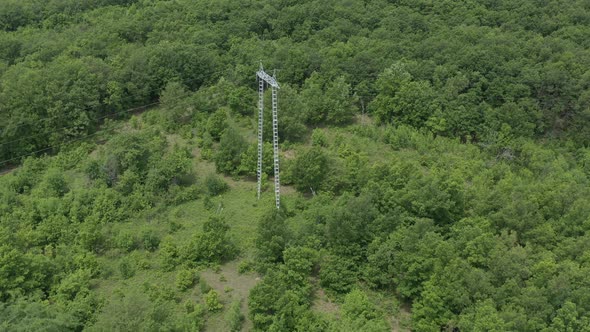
{"x":435,"y":159}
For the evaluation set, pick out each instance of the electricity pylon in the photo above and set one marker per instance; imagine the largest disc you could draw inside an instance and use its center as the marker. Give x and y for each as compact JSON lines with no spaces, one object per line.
{"x":263,"y":78}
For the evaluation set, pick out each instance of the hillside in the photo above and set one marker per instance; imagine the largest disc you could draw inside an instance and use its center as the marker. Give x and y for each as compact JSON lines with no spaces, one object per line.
{"x":434,"y":156}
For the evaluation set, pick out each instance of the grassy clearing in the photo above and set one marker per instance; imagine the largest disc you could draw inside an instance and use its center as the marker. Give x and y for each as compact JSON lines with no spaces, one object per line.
{"x":242,"y":211}
{"x":231,"y":286}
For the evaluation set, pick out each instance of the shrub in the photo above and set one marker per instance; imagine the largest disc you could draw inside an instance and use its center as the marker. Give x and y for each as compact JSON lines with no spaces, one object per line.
{"x":185,"y":279}
{"x":337,"y":274}
{"x":212,"y":301}
{"x":126,"y":241}
{"x":169,"y":253}
{"x":150,"y":240}
{"x":54,"y":183}
{"x":234,"y":317}
{"x":215,"y":185}
{"x":204,"y":286}
{"x":126,"y":268}
{"x":210,"y":246}
{"x":318,"y":138}
{"x":228,"y":156}
{"x":245,"y":266}
{"x":217,"y":123}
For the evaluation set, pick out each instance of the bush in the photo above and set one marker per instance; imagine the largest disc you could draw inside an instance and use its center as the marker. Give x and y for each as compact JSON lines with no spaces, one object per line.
{"x":215,"y":185}
{"x":245,"y":266}
{"x":309,"y":170}
{"x":54,"y":183}
{"x":126,"y":268}
{"x":150,"y":240}
{"x":217,"y":123}
{"x":234,"y":317}
{"x":210,"y":246}
{"x":185,"y":279}
{"x":228,"y":156}
{"x":204,"y":286}
{"x":212,"y":301}
{"x":169,"y":253}
{"x":337,"y":274}
{"x":318,"y":138}
{"x":126,"y":241}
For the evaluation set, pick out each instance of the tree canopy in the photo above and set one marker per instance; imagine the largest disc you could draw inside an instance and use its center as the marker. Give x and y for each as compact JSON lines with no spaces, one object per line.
{"x":435,"y":163}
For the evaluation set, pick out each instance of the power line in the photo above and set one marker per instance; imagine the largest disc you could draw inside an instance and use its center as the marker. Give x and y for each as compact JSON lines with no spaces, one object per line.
{"x":288,"y":99}
{"x":6,"y":161}
{"x":72,"y":126}
{"x":98,"y":118}
{"x":96,"y":107}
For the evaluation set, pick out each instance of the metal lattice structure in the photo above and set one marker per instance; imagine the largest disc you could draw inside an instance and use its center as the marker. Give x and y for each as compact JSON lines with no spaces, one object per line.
{"x":264,"y":78}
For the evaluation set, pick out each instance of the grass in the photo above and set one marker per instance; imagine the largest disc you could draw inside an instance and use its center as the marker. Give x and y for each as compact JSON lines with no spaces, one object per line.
{"x":231,"y":286}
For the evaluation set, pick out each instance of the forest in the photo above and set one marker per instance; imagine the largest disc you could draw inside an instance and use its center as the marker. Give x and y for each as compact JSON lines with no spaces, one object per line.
{"x":435,"y":163}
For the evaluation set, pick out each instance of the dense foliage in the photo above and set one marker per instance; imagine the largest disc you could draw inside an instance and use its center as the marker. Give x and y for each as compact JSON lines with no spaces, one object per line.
{"x":435,"y":156}
{"x":462,"y":69}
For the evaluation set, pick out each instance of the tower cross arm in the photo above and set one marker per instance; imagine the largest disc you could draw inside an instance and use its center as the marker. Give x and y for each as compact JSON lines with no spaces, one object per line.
{"x":268,"y":79}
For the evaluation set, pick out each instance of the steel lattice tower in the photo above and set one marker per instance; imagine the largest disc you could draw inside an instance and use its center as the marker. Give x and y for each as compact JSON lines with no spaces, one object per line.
{"x":263,"y":78}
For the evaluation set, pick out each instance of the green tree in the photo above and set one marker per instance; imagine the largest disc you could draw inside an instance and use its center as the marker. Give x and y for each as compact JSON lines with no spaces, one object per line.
{"x":328,"y":102}
{"x":402,"y":99}
{"x":271,"y":237}
{"x":338,"y":274}
{"x":281,"y":301}
{"x":174,"y":168}
{"x":249,"y":160}
{"x":215,"y":185}
{"x":210,"y":246}
{"x":360,"y":314}
{"x":340,"y":104}
{"x":174,"y":99}
{"x":292,"y":126}
{"x":309,"y":170}
{"x":217,"y":124}
{"x":406,"y":259}
{"x":185,"y":279}
{"x":229,"y":153}
{"x":28,"y":314}
{"x":169,"y":253}
{"x":482,"y":317}
{"x":430,"y":312}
